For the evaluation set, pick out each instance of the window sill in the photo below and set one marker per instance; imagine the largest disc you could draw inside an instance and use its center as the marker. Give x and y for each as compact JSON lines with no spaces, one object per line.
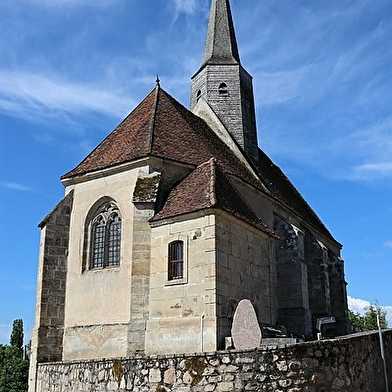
{"x":176,"y":282}
{"x":104,"y":269}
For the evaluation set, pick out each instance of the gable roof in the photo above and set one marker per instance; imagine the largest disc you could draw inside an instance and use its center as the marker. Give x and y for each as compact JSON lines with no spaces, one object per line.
{"x":162,"y":127}
{"x":208,"y":187}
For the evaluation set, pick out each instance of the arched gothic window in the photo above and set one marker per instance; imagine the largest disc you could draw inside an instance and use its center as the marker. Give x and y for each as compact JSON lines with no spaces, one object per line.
{"x":176,"y":260}
{"x":105,"y":235}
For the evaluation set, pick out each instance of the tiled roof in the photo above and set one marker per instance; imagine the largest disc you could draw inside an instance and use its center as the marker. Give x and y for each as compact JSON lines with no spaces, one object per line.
{"x":208,"y":187}
{"x":162,"y":127}
{"x":284,"y":191}
{"x":130,"y":140}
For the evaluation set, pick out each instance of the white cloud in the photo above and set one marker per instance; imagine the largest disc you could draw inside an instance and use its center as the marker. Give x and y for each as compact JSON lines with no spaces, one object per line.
{"x":15,"y":186}
{"x":361,"y":155}
{"x":71,"y":3}
{"x":372,"y":171}
{"x":278,"y":87}
{"x":388,"y":244}
{"x":359,"y":306}
{"x":325,"y":100}
{"x":32,"y":95}
{"x":186,"y":6}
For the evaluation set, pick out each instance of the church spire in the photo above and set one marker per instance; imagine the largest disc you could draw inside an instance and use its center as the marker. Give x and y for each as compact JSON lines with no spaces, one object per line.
{"x":223,"y":84}
{"x":221,"y":44}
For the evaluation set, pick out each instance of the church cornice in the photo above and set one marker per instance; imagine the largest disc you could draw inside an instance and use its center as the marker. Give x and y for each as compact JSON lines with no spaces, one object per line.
{"x":145,"y":161}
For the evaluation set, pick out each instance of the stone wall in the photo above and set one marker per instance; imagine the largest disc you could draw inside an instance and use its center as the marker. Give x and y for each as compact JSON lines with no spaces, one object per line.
{"x":350,"y":364}
{"x":245,"y":269}
{"x":52,"y":281}
{"x":311,"y":282}
{"x":47,"y":337}
{"x":182,"y":315}
{"x":97,"y":309}
{"x":292,"y":276}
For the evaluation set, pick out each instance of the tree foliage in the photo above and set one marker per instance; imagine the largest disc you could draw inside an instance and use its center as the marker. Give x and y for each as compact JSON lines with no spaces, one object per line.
{"x":16,"y":339}
{"x":368,"y":322}
{"x":14,"y":367}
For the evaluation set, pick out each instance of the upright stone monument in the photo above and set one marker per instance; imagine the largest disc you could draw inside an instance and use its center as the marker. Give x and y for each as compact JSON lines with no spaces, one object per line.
{"x":245,"y":331}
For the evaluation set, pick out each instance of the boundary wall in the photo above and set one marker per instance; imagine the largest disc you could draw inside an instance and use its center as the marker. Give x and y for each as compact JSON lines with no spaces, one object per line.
{"x":348,"y":364}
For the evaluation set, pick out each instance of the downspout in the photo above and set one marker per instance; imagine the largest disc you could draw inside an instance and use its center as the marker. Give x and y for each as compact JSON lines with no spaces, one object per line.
{"x":202,"y":333}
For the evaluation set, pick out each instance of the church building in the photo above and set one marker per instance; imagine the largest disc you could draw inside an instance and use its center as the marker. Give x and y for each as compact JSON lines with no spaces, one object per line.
{"x":172,"y":220}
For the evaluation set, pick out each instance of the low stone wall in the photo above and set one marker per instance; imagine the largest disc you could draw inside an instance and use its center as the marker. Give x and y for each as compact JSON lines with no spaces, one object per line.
{"x":348,"y":364}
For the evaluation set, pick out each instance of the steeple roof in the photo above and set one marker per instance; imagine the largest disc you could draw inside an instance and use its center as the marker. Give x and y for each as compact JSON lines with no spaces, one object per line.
{"x":221,"y":44}
{"x":161,"y":127}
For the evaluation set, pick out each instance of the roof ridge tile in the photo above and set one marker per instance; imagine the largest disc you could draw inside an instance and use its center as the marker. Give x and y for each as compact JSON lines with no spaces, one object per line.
{"x":153,"y":117}
{"x":213,"y":198}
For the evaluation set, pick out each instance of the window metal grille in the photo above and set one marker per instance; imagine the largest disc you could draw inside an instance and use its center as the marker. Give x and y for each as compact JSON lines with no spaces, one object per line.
{"x":106,"y":237}
{"x":114,"y":242}
{"x":98,"y":253}
{"x":176,"y":260}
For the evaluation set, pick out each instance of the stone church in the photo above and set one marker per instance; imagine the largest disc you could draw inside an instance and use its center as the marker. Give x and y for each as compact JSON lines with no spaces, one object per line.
{"x":172,"y":220}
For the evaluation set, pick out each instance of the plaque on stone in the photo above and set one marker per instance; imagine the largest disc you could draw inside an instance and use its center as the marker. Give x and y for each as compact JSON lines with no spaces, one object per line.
{"x":245,"y":331}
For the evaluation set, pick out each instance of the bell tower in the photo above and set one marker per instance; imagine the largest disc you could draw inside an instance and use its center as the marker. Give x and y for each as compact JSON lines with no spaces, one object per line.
{"x":222,"y":81}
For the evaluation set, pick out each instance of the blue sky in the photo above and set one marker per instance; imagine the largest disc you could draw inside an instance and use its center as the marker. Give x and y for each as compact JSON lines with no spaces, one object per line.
{"x":71,"y":70}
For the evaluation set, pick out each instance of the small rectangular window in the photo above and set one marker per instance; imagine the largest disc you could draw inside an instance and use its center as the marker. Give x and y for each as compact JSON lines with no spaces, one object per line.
{"x":176,"y":260}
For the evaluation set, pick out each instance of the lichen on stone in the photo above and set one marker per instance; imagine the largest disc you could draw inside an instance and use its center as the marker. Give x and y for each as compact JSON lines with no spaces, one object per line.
{"x":195,"y":367}
{"x":118,"y":371}
{"x":146,"y":189}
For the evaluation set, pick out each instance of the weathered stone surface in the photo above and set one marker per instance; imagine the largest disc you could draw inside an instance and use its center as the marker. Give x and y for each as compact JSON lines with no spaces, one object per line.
{"x":355,"y":369}
{"x":169,"y":376}
{"x":245,"y":331}
{"x":155,"y":376}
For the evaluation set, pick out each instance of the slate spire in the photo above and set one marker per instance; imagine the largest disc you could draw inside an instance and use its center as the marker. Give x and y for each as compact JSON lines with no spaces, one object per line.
{"x":223,"y":84}
{"x":221,"y":44}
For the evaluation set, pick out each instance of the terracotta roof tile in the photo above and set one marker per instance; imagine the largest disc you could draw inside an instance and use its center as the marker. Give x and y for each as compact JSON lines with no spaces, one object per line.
{"x":130,"y":140}
{"x":162,"y":127}
{"x":284,"y":191}
{"x":208,"y":187}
